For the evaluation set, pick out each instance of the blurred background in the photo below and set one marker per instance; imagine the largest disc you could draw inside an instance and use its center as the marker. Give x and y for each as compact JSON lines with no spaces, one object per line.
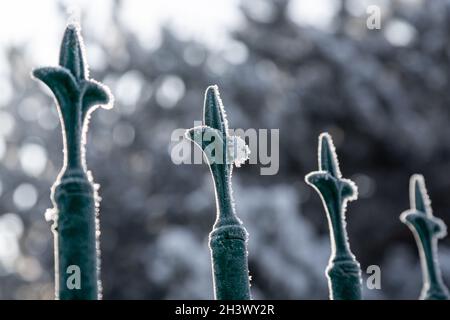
{"x":300,"y":66}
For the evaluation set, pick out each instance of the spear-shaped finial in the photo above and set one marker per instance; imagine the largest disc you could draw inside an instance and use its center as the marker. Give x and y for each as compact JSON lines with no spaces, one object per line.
{"x":73,"y":194}
{"x":343,"y":271}
{"x":228,"y":239}
{"x":427,"y":229}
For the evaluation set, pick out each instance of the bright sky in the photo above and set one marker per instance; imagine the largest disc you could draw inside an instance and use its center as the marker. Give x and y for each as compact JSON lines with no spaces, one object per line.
{"x":40,"y":23}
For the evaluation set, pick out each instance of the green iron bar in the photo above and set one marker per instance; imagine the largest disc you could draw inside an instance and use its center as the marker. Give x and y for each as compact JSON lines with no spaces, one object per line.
{"x":74,"y":195}
{"x":427,"y":229}
{"x":228,"y":239}
{"x":343,"y":271}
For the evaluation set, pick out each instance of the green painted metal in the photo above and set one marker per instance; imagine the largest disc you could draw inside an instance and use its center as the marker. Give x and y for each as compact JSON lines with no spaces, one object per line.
{"x":343,"y":271}
{"x":74,"y":195}
{"x":228,"y":239}
{"x":427,"y":230}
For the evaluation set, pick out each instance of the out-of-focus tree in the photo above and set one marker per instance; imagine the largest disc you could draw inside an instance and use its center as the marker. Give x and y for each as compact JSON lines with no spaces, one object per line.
{"x":382,"y":94}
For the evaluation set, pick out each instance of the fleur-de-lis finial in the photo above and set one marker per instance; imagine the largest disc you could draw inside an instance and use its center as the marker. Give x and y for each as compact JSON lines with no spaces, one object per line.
{"x":77,"y":95}
{"x":220,"y":150}
{"x":343,"y":271}
{"x":228,"y":239}
{"x":427,"y":230}
{"x":73,"y":193}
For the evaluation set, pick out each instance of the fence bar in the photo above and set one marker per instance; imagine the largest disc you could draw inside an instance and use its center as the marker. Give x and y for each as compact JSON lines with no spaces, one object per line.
{"x":228,"y":239}
{"x":427,"y":229}
{"x":74,"y":195}
{"x":343,"y":271}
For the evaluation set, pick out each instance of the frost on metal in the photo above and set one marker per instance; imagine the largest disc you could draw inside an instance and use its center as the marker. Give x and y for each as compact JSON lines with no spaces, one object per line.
{"x":237,"y":151}
{"x":74,"y":194}
{"x":343,"y":271}
{"x":427,"y":230}
{"x":228,"y":239}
